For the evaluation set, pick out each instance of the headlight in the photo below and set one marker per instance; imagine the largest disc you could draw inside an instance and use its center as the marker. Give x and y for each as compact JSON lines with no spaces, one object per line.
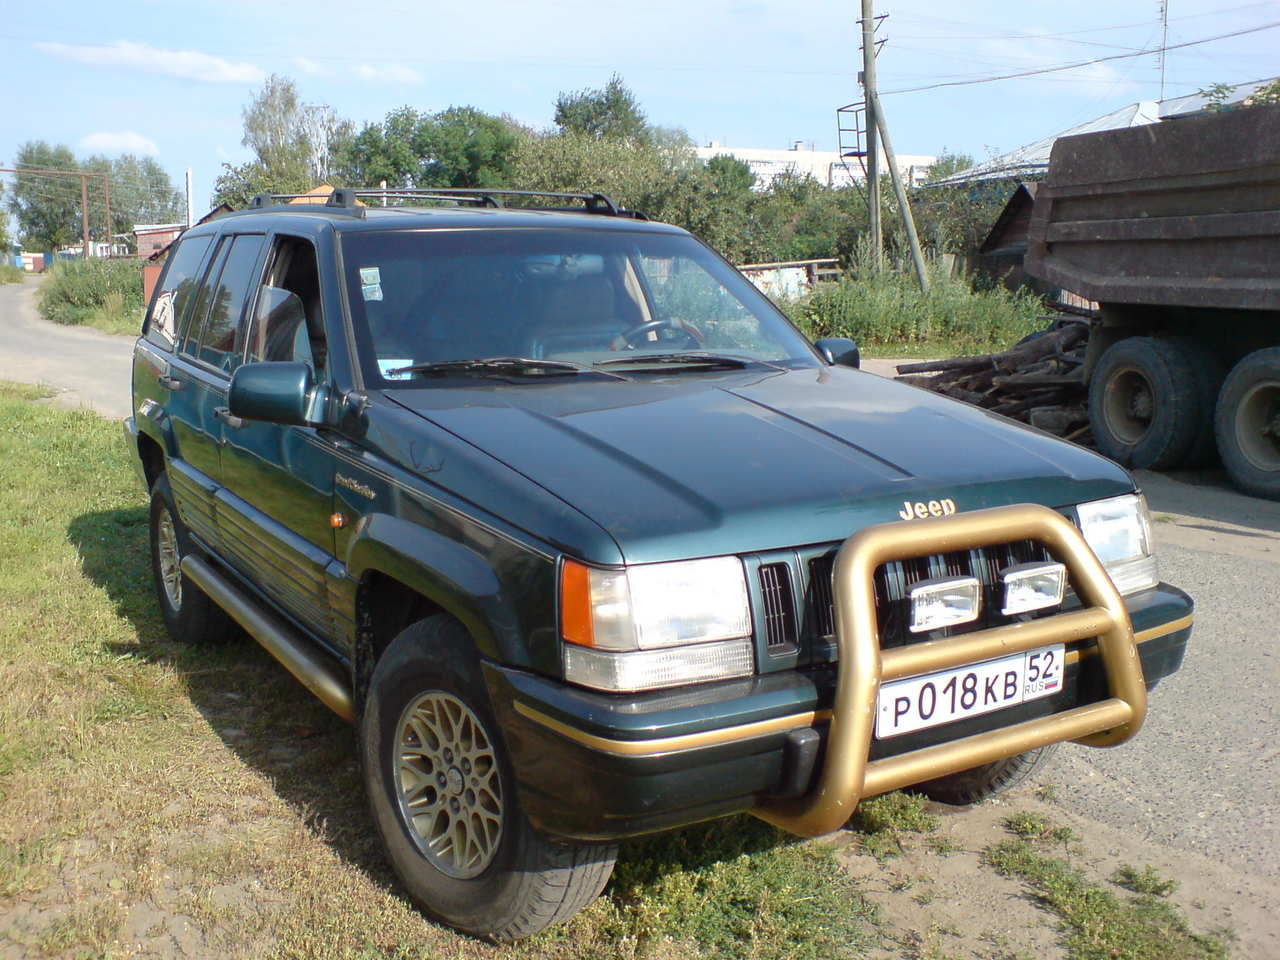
{"x":1119,"y":531}
{"x":655,"y":625}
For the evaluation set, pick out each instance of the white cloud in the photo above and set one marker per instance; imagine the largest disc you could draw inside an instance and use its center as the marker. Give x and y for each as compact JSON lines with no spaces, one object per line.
{"x":310,"y":67}
{"x":184,"y":64}
{"x":387,"y":73}
{"x":119,"y":141}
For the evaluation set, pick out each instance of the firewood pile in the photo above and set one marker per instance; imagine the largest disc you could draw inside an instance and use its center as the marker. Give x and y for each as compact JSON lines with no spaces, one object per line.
{"x":1039,"y":381}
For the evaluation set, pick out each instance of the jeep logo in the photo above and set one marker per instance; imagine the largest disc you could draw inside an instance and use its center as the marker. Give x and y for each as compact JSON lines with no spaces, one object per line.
{"x":920,"y":509}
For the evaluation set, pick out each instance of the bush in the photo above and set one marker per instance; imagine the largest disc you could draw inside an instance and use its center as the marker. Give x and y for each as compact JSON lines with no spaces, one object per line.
{"x":888,"y":310}
{"x":10,"y":274}
{"x":106,"y":294}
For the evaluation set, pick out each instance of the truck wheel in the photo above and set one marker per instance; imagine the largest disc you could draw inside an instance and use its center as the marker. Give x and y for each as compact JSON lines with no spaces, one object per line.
{"x":1147,"y":406}
{"x":444,"y":797}
{"x":1248,"y":423}
{"x":970,"y":786}
{"x":189,"y":615}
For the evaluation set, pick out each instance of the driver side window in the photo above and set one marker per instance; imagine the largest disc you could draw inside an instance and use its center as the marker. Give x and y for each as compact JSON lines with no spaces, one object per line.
{"x":287,"y":322}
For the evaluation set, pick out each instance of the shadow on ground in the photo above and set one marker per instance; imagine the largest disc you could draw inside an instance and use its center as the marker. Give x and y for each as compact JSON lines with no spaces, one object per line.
{"x":1207,"y":494}
{"x":309,"y":755}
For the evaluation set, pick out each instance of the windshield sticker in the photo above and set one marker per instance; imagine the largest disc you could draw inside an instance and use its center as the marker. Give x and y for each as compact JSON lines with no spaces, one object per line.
{"x":371,"y":291}
{"x":385,"y":367}
{"x":370,"y":275}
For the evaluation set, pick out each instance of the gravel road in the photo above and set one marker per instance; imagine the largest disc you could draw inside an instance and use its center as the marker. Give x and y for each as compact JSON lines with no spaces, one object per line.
{"x":88,"y":368}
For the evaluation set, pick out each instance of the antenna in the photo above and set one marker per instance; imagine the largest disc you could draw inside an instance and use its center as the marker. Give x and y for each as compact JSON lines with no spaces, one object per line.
{"x":1164,"y":39}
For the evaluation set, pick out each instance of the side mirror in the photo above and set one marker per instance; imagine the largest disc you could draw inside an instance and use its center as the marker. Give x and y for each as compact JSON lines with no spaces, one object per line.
{"x":273,"y":391}
{"x":839,"y":350}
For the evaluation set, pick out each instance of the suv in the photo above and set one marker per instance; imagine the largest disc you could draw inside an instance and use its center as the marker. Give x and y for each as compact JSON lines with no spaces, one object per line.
{"x":589,"y":542}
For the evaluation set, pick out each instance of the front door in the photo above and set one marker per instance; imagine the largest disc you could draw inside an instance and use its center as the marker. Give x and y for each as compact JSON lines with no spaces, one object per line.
{"x":277,"y":498}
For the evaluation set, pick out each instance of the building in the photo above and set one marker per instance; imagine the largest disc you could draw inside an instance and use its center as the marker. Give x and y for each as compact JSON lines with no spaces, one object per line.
{"x":825,"y":166}
{"x":154,"y":237}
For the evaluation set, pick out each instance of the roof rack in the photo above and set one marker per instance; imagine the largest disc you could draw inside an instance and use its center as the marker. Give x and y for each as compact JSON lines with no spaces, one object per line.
{"x":348,"y":199}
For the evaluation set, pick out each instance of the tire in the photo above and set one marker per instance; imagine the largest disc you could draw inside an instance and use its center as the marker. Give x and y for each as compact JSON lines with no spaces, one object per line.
{"x":508,"y":881}
{"x":189,"y":615}
{"x":1209,"y":373}
{"x":970,"y":786}
{"x":1247,"y":423}
{"x":1148,"y":404}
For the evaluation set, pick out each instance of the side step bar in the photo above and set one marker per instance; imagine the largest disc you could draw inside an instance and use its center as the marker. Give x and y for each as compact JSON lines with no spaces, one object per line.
{"x":313,"y":668}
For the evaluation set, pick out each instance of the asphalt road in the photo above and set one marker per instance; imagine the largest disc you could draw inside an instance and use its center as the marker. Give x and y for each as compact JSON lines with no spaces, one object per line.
{"x":88,"y":368}
{"x":1202,"y":776}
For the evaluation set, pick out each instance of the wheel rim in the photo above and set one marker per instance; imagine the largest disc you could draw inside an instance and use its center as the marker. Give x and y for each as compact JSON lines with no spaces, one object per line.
{"x":1129,"y":405}
{"x":448,"y":787}
{"x":1258,"y":425}
{"x":170,"y":558}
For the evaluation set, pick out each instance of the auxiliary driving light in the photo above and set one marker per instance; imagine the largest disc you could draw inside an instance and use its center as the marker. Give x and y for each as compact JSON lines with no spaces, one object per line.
{"x":944,"y":603}
{"x":1032,"y":586}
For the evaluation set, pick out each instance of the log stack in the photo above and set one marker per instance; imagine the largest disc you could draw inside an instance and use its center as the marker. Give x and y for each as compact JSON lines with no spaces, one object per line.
{"x":1039,"y":381}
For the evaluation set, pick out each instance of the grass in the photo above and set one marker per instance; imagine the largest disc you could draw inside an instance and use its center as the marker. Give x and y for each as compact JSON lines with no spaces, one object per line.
{"x":1098,"y":925}
{"x":10,"y":273}
{"x":104,"y":294}
{"x":201,"y":797}
{"x":883,"y":821}
{"x":887,"y":315}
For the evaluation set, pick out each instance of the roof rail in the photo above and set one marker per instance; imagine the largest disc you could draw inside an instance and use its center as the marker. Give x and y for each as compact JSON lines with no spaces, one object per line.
{"x":348,"y":199}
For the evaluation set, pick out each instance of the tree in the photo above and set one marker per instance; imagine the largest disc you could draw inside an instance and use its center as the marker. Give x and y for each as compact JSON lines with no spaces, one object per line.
{"x":47,"y":208}
{"x":731,"y":175}
{"x":611,"y":113}
{"x":947,"y":163}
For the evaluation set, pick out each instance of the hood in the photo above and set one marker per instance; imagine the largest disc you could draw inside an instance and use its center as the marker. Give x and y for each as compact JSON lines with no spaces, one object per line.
{"x":699,"y":464}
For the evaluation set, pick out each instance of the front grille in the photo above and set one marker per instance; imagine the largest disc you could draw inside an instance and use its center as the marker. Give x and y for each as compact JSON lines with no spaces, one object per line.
{"x":893,"y":581}
{"x":779,"y":605}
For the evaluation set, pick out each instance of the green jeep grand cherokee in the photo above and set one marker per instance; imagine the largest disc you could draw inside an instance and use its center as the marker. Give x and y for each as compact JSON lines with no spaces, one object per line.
{"x":589,"y":542}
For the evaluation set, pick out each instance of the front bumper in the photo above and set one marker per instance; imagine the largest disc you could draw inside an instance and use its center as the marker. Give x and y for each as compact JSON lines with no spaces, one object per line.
{"x":597,"y":766}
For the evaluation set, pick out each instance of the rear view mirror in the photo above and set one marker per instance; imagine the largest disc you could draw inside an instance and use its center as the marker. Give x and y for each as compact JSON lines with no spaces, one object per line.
{"x":839,"y":350}
{"x":275,"y":392}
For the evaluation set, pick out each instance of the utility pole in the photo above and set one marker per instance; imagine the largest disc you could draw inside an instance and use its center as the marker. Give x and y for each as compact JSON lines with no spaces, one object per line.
{"x":84,"y":212}
{"x":873,"y":148}
{"x":106,"y":202}
{"x":191,"y":210}
{"x":908,"y":221}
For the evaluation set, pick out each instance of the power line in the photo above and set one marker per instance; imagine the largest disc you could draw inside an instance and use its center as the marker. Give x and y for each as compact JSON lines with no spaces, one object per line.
{"x":1083,"y":63}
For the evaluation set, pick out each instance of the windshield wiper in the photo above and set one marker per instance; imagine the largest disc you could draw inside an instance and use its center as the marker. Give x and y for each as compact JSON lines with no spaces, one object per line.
{"x":500,"y":365}
{"x":692,"y":360}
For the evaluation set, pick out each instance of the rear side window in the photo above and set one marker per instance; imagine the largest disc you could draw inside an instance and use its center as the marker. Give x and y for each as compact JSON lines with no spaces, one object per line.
{"x":222,"y":342}
{"x":175,"y":291}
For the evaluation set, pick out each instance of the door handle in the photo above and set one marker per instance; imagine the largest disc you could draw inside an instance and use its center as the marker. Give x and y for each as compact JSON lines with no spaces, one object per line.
{"x":224,"y":414}
{"x":168,"y":382}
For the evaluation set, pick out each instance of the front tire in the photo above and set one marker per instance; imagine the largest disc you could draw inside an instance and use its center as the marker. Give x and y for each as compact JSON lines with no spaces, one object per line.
{"x":443,"y":796}
{"x":979,"y":783}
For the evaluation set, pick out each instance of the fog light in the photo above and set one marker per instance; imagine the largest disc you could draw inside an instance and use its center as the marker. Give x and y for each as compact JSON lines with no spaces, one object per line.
{"x":944,"y":603}
{"x":1032,"y":586}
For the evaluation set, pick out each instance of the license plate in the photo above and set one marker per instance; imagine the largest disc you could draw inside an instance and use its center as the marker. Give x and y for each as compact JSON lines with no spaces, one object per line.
{"x":968,"y":691}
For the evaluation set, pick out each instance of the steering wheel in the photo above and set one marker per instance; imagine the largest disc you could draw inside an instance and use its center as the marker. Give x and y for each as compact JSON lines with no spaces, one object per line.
{"x":631,"y":336}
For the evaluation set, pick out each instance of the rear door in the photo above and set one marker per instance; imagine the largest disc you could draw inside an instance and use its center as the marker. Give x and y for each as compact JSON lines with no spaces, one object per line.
{"x":274,"y":511}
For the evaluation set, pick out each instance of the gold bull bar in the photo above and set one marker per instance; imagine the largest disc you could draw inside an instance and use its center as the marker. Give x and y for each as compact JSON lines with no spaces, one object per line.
{"x":847,"y":774}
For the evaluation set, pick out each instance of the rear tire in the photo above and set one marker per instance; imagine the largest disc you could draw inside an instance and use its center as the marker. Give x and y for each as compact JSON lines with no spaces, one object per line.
{"x":189,"y":615}
{"x":1148,"y":405}
{"x":970,"y":786}
{"x":444,"y":797}
{"x":1247,"y":423}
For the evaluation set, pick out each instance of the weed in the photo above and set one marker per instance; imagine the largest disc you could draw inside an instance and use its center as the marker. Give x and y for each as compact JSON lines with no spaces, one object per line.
{"x":9,"y":273}
{"x":1047,"y":792}
{"x":106,"y":294}
{"x":1038,"y":827}
{"x":1147,"y":880}
{"x":895,"y":811}
{"x":942,"y":845}
{"x":1097,"y":924}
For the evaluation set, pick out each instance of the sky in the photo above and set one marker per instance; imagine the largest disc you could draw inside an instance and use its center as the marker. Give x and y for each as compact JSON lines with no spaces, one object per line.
{"x":169,"y":79}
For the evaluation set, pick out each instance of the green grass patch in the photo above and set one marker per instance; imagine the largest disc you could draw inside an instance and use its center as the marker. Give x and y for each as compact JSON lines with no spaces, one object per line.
{"x":1145,"y":880}
{"x":1036,"y":826}
{"x":887,"y":315}
{"x":10,"y":273}
{"x":211,"y":791}
{"x":884,"y":820}
{"x":1098,"y":925}
{"x":104,"y":294}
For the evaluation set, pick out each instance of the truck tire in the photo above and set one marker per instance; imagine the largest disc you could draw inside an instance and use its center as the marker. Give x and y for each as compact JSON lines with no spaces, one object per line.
{"x":189,"y":615}
{"x":970,"y":786}
{"x":1147,"y":404}
{"x":1247,"y":423}
{"x":444,"y":797}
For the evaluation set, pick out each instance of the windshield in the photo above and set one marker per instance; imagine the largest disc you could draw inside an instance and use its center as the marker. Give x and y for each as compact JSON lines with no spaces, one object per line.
{"x":439,"y":296}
